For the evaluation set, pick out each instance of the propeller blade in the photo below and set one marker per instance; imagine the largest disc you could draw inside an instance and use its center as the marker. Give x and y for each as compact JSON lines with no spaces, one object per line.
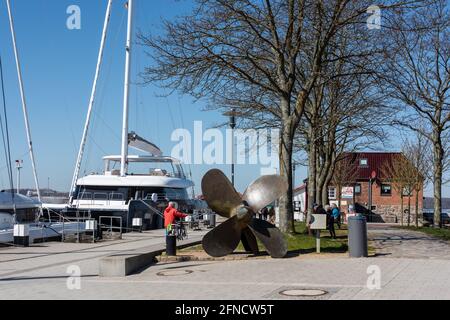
{"x":249,"y":241}
{"x":220,"y":194}
{"x":265,"y":191}
{"x":270,"y":236}
{"x":224,"y":238}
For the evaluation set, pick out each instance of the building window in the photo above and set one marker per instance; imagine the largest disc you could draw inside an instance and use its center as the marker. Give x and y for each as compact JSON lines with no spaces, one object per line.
{"x":358,"y":189}
{"x":332,"y":193}
{"x":363,"y":162}
{"x":386,"y":190}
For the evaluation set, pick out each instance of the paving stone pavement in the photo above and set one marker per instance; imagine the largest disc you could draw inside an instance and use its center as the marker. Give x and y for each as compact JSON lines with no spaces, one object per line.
{"x":391,"y":241}
{"x":402,"y":276}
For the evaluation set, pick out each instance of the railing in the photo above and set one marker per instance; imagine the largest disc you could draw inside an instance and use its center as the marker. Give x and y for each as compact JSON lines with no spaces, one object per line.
{"x":78,"y":219}
{"x":100,"y":198}
{"x":110,"y":227}
{"x":164,"y":196}
{"x":154,"y":210}
{"x":60,"y":216}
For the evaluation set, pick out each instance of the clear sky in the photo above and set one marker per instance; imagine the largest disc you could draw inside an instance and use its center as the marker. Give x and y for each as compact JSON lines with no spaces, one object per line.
{"x":58,"y":68}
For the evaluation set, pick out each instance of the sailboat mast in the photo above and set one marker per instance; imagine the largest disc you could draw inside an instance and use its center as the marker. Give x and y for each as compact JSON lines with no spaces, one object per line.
{"x":126,"y":95}
{"x":24,"y":104}
{"x":91,"y":100}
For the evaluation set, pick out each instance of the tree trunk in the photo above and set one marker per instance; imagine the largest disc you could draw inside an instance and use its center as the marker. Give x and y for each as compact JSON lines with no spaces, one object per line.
{"x":401,"y":208}
{"x":409,"y":209}
{"x":318,"y":181}
{"x":311,"y":179}
{"x":286,"y":205}
{"x":339,"y":196}
{"x":417,"y":208}
{"x":437,"y":179}
{"x":325,"y":199}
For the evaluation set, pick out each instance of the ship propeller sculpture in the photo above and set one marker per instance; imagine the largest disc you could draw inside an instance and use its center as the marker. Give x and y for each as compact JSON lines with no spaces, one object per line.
{"x":242,"y":225}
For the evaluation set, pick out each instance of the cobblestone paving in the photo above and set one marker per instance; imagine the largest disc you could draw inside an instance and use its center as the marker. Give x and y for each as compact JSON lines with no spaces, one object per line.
{"x":392,"y":242}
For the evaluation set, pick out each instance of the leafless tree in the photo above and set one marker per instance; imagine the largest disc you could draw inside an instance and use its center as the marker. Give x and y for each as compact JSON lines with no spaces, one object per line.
{"x":418,"y":78}
{"x":405,"y":177}
{"x":263,"y":58}
{"x":344,"y":174}
{"x":418,"y":152}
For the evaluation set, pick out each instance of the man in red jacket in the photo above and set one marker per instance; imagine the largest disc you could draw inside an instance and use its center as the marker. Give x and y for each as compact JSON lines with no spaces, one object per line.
{"x":170,"y":214}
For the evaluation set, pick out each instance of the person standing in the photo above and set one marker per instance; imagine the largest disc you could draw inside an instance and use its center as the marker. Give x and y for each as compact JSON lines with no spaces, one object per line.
{"x":265,"y":213}
{"x":330,"y":221}
{"x":336,"y":215}
{"x":170,"y":214}
{"x":271,"y":215}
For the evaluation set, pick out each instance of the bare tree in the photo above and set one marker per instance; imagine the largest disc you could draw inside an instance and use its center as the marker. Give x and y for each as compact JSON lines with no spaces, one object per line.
{"x":344,"y":174}
{"x":418,"y":152}
{"x":406,"y":179}
{"x":418,"y":79}
{"x":263,"y":58}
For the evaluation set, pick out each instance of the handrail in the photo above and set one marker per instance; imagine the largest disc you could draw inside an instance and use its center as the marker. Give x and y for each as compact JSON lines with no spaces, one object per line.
{"x":58,"y":214}
{"x":151,"y":208}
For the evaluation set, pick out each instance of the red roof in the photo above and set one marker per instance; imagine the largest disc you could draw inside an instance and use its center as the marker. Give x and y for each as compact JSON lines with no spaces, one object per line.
{"x":375,"y":162}
{"x":300,"y":188}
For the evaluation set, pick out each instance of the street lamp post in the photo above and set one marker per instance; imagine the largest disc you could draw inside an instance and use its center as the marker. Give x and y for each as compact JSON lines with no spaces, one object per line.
{"x":294,"y":168}
{"x":19,"y":166}
{"x":232,"y":122}
{"x":232,"y":126}
{"x":294,"y":165}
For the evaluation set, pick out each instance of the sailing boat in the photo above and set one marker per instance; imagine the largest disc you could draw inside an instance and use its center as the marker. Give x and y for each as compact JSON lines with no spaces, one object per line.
{"x":17,"y":208}
{"x":131,"y":186}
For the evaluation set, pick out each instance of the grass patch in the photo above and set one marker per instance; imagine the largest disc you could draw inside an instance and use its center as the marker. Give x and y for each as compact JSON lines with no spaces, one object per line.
{"x":436,"y":232}
{"x":301,"y":242}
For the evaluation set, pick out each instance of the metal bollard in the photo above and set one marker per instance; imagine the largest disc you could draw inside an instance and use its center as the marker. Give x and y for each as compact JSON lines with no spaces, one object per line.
{"x":171,"y":245}
{"x":357,"y":237}
{"x":212,"y":221}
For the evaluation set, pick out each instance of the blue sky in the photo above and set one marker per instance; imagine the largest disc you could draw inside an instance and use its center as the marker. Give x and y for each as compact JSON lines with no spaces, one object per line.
{"x":58,"y":68}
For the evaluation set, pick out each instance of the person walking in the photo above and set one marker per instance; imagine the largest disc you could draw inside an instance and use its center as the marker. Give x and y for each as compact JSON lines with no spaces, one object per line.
{"x":336,"y":215}
{"x":330,"y":221}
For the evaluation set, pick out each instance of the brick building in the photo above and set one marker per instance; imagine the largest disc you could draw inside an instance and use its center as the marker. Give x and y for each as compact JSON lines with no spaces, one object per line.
{"x":386,"y":200}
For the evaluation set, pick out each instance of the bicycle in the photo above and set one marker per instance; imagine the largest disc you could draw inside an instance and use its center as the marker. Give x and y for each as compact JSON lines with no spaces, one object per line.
{"x":180,"y":231}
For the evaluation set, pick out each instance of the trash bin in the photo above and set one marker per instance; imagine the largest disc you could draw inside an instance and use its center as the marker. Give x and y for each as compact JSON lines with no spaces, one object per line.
{"x":171,"y":245}
{"x":357,"y":237}
{"x":212,"y":220}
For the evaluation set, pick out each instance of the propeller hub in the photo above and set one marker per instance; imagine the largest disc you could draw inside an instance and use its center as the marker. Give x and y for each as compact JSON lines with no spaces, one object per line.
{"x":244,"y":213}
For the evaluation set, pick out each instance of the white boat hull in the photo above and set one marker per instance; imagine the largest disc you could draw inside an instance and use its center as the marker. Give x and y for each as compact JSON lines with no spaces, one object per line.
{"x":39,"y":233}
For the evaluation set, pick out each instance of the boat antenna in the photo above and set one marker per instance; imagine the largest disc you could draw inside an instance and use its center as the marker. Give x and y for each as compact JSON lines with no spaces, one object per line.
{"x":76,"y":173}
{"x":5,"y":134}
{"x":126,"y":95}
{"x":24,"y":104}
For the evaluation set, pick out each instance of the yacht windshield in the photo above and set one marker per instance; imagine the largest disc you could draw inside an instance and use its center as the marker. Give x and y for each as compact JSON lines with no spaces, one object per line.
{"x":162,"y":168}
